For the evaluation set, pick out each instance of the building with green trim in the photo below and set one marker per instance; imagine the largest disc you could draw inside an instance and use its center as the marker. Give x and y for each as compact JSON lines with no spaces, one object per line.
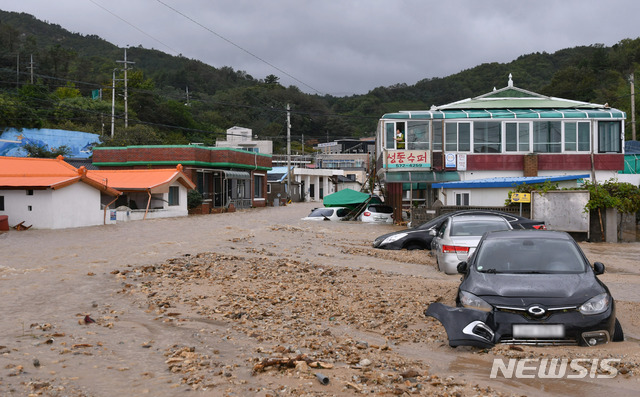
{"x":510,"y":132}
{"x":224,"y":176}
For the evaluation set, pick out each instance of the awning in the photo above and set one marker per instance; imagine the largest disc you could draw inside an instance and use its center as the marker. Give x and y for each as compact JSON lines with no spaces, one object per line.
{"x":421,"y":176}
{"x":236,"y":174}
{"x":507,"y":181}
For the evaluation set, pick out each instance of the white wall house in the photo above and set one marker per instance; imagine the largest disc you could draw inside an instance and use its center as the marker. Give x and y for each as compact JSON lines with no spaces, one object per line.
{"x":51,"y":194}
{"x":148,"y":193}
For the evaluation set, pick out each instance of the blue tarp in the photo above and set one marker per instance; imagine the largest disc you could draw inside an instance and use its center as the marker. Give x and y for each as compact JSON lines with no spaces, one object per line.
{"x":80,"y":143}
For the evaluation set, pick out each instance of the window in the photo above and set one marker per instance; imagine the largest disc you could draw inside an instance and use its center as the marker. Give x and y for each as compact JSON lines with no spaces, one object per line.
{"x":547,"y":137}
{"x":395,"y":135}
{"x":30,"y":192}
{"x":516,"y":137}
{"x":174,"y":195}
{"x":577,"y":136}
{"x":487,"y":137}
{"x":418,"y":135}
{"x":462,"y":199}
{"x":437,"y":136}
{"x":609,"y":137}
{"x":257,"y":186}
{"x":268,"y":188}
{"x":457,"y":137}
{"x":1,"y":203}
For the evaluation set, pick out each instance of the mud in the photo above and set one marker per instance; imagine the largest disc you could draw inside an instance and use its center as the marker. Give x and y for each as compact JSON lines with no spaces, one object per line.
{"x":258,"y":302}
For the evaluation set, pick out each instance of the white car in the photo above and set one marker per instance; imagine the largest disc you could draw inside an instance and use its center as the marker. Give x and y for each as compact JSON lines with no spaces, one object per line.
{"x":377,"y":213}
{"x":327,"y":214}
{"x":458,"y":237}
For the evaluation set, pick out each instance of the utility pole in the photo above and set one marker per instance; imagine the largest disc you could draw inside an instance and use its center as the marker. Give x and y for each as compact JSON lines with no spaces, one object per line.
{"x":18,"y":73}
{"x":113,"y":102}
{"x":633,"y":106}
{"x":288,"y":153}
{"x":188,"y":104}
{"x":126,"y":107}
{"x":31,"y":68}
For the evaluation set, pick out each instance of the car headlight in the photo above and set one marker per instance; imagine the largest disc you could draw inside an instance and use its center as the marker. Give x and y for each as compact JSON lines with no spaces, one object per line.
{"x":471,"y":301}
{"x":393,"y":238}
{"x":596,"y":305}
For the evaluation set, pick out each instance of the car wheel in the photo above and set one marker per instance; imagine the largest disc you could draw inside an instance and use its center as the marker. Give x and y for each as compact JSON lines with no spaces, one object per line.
{"x":618,"y":335}
{"x":414,"y":246}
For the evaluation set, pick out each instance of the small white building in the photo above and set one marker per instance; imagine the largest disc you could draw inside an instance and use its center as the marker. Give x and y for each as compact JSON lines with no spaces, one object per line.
{"x":242,"y":138}
{"x":51,"y":194}
{"x":148,"y":193}
{"x":316,"y":183}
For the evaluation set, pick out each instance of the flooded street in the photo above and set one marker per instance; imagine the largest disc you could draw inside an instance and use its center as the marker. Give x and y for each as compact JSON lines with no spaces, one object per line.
{"x":259,"y":302}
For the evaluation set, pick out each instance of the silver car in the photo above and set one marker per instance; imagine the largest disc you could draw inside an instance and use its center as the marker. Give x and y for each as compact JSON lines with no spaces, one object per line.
{"x":458,"y":237}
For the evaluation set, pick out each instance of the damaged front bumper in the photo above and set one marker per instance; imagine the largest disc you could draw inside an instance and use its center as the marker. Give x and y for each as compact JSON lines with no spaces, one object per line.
{"x":484,"y":329}
{"x":465,"y":327}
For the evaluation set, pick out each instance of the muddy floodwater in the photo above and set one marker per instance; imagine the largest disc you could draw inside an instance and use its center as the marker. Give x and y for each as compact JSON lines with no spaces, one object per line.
{"x":259,"y":302}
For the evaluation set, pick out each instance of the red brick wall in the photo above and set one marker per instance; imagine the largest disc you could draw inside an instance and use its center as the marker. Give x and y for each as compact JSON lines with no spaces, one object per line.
{"x":179,"y":155}
{"x":546,"y":161}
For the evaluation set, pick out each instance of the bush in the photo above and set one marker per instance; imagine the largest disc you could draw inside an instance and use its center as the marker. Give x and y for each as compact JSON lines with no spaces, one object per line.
{"x":194,"y":199}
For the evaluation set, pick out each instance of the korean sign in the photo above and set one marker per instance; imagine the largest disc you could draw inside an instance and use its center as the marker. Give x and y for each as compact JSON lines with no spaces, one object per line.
{"x":407,"y":159}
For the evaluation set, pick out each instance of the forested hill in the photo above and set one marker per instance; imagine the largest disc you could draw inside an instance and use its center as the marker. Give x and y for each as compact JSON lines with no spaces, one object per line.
{"x":67,"y":67}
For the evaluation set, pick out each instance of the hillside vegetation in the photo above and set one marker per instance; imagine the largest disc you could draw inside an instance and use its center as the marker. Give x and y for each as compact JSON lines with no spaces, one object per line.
{"x":68,"y":67}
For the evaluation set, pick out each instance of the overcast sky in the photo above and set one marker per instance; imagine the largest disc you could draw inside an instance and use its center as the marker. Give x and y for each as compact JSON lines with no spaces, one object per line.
{"x":345,"y":47}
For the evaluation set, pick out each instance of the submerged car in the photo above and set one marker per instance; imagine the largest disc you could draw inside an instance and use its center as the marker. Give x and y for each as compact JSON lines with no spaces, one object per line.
{"x":327,"y":214}
{"x":529,"y":287}
{"x":419,"y":237}
{"x":458,"y":237}
{"x":377,"y":213}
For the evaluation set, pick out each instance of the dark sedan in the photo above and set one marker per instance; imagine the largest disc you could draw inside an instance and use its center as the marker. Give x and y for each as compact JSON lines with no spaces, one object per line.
{"x":529,"y":287}
{"x":419,"y":238}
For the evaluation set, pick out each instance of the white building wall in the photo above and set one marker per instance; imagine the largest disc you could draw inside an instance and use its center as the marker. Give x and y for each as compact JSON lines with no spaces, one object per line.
{"x":76,"y":205}
{"x":33,"y":210}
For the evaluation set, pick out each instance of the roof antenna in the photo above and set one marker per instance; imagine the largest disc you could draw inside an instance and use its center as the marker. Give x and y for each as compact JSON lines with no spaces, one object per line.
{"x":510,"y":84}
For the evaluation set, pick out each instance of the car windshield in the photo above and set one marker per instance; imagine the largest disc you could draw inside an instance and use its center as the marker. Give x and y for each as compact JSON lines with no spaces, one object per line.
{"x":321,"y":212}
{"x":535,"y":255}
{"x":477,"y":228}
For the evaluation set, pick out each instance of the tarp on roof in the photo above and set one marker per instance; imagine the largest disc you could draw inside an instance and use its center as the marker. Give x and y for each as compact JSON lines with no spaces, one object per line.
{"x":80,"y":144}
{"x":347,"y":197}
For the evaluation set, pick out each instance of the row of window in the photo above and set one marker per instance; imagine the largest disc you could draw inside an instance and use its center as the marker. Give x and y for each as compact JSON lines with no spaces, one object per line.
{"x":549,"y":136}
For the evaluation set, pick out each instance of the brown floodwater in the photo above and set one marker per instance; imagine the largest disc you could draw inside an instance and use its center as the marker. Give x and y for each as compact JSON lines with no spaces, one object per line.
{"x":51,"y":280}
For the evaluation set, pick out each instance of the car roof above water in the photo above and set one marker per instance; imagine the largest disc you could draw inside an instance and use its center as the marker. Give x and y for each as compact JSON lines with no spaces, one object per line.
{"x":528,"y":234}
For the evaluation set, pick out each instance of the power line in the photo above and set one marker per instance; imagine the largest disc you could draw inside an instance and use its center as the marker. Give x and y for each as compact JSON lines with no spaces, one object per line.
{"x":239,"y":47}
{"x":135,"y":27}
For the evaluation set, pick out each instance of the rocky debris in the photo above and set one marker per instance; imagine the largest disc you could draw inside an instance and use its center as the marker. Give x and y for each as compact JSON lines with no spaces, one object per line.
{"x":307,"y":313}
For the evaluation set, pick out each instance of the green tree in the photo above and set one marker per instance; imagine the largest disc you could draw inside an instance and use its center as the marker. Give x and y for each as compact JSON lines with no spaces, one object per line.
{"x":42,"y":151}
